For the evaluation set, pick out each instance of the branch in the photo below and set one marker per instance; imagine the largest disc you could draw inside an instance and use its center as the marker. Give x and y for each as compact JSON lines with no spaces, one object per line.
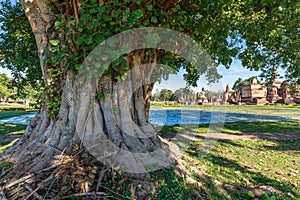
{"x":18,"y":181}
{"x":33,"y":192}
{"x":260,"y":8}
{"x":191,"y":6}
{"x":94,"y":194}
{"x":75,"y":6}
{"x":169,"y":3}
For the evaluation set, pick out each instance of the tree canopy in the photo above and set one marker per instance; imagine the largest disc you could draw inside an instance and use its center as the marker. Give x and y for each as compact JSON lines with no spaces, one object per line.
{"x":18,"y":50}
{"x":262,"y":34}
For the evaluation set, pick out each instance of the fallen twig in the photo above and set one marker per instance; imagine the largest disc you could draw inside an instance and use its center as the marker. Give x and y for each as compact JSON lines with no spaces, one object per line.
{"x":41,"y":184}
{"x":101,"y":175}
{"x":50,"y":187}
{"x":12,"y":191}
{"x":2,"y":195}
{"x":18,"y":181}
{"x":114,"y":192}
{"x":94,"y":194}
{"x":33,"y":192}
{"x":49,"y":168}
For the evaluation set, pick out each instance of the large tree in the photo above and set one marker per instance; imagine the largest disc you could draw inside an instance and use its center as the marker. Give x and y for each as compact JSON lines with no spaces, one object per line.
{"x":110,"y":118}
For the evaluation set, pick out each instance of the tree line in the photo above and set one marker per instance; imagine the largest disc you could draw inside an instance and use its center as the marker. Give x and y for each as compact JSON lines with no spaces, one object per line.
{"x":186,"y":93}
{"x":9,"y":90}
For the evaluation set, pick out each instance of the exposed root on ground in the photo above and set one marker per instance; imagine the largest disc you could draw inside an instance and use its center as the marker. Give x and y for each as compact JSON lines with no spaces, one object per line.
{"x":73,"y":175}
{"x":78,"y":174}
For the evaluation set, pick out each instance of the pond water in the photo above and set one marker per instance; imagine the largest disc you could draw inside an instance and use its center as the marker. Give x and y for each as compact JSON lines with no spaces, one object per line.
{"x":172,"y":117}
{"x":22,"y":119}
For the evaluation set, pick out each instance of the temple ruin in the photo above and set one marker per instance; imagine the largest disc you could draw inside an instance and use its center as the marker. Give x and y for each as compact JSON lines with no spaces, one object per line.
{"x":255,"y":93}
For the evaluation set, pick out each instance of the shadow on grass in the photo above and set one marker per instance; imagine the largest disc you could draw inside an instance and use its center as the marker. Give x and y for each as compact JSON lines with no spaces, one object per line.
{"x":293,"y":145}
{"x":238,"y":180}
{"x":231,"y":143}
{"x":12,"y":129}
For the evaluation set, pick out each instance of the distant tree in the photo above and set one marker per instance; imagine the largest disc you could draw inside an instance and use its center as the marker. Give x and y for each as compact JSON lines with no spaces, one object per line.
{"x":237,"y":86}
{"x":165,"y":95}
{"x":182,"y":92}
{"x":18,"y":49}
{"x":27,"y":93}
{"x":5,"y":90}
{"x":213,"y":94}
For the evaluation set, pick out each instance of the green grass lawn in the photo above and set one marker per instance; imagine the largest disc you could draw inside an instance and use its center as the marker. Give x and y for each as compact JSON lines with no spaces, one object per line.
{"x":236,"y":128}
{"x":248,"y":165}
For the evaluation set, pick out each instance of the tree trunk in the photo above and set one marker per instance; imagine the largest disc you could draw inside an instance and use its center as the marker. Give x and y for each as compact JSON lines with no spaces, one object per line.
{"x":109,"y":119}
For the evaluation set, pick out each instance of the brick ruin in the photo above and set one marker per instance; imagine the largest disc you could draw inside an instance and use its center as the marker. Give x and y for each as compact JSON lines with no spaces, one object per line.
{"x":256,"y":93}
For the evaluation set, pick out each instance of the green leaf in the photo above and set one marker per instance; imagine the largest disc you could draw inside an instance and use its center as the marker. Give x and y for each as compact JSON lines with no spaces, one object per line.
{"x":107,"y":18}
{"x":149,"y":7}
{"x":54,"y":42}
{"x":116,"y":67}
{"x":58,"y":24}
{"x":146,"y":22}
{"x":137,"y":13}
{"x":153,"y":19}
{"x":100,"y":38}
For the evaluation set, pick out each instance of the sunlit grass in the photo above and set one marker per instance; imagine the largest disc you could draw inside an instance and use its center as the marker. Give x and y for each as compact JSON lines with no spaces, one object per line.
{"x":6,"y":145}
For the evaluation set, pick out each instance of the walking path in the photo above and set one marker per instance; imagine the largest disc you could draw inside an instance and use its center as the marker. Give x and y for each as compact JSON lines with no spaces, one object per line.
{"x":223,"y":136}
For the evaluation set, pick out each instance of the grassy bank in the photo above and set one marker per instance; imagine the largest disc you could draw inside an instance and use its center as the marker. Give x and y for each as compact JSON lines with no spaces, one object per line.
{"x":237,"y":128}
